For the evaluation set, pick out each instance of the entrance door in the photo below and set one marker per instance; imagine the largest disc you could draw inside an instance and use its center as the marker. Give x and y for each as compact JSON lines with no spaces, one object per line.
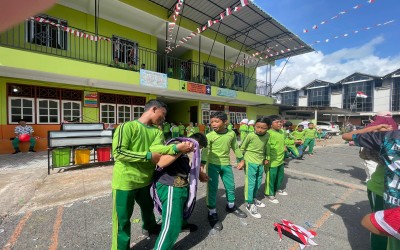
{"x":193,"y":114}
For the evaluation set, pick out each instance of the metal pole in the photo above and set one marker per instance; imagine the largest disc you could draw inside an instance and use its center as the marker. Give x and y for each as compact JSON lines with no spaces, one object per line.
{"x":270,"y":80}
{"x":96,"y":23}
{"x":244,"y":71}
{"x":166,"y":45}
{"x":199,"y":57}
{"x":224,"y":66}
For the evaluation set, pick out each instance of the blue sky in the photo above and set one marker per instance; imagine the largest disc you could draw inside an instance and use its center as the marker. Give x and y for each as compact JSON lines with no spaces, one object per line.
{"x":376,"y":51}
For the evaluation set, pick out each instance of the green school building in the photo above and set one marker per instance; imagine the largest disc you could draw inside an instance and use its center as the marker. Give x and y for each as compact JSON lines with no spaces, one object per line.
{"x":100,"y":61}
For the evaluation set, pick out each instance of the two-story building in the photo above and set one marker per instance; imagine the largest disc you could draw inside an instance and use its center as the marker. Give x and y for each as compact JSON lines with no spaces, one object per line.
{"x":100,"y":61}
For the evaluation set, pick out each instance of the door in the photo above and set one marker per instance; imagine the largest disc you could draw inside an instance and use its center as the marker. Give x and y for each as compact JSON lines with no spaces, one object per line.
{"x":193,"y":114}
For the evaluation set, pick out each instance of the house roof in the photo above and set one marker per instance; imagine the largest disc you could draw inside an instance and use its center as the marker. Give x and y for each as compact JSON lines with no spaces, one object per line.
{"x":251,"y":26}
{"x":357,"y":76}
{"x":285,"y":89}
{"x":395,"y":73}
{"x":317,"y":83}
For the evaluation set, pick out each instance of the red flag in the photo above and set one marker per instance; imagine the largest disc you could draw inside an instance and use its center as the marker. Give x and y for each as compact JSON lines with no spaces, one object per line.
{"x":244,"y":2}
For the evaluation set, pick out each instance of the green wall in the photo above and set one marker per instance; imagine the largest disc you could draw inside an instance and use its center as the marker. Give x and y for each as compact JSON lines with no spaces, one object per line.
{"x":179,"y":111}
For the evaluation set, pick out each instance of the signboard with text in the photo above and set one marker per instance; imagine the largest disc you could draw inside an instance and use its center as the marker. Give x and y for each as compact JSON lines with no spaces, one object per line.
{"x":153,"y":79}
{"x":90,"y":99}
{"x":198,"y":88}
{"x":226,"y":93}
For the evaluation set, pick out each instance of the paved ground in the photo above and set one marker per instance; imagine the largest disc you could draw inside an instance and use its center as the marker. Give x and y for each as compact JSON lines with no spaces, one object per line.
{"x":72,"y":209}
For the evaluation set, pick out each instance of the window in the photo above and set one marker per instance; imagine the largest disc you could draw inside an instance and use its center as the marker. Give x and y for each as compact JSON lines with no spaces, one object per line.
{"x":20,"y":108}
{"x":290,"y":98}
{"x":71,"y":111}
{"x":396,"y":94}
{"x":107,"y":113}
{"x":319,"y":97}
{"x":209,"y":72}
{"x":124,"y":113}
{"x":47,"y":111}
{"x":240,"y":116}
{"x":358,"y":104}
{"x":46,"y":34}
{"x":238,"y":79}
{"x":125,"y":51}
{"x":205,"y":114}
{"x":232,"y":117}
{"x":137,"y":112}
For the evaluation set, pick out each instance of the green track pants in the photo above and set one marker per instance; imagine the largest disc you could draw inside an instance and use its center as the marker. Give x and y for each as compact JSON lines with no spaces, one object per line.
{"x":292,"y":150}
{"x":310,"y":143}
{"x":226,"y":173}
{"x":16,"y":142}
{"x":253,"y":178}
{"x":273,"y":179}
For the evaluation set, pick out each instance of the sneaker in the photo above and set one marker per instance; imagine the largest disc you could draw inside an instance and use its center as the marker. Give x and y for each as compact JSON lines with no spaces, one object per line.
{"x":154,"y":231}
{"x":189,"y":228}
{"x":252,"y":209}
{"x":272,"y":199}
{"x":16,"y":152}
{"x":236,"y":211}
{"x":282,"y":192}
{"x":258,"y":203}
{"x":214,"y":222}
{"x":32,"y":150}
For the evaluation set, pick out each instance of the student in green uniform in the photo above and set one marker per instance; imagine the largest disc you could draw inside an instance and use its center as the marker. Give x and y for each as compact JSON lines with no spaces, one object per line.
{"x":230,"y":126}
{"x":189,"y":129}
{"x":217,"y":159}
{"x":310,"y":134}
{"x":137,"y":146}
{"x":196,"y":128}
{"x":243,"y":129}
{"x":290,"y":141}
{"x":298,"y":135}
{"x":254,"y":148}
{"x":181,"y":130}
{"x":275,"y":155}
{"x":166,"y":130}
{"x":173,"y":191}
{"x":251,"y":126}
{"x":174,"y":130}
{"x":206,"y":128}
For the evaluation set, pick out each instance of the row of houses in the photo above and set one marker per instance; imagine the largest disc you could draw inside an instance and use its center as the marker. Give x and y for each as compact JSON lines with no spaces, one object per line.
{"x":382,"y":94}
{"x":100,"y":61}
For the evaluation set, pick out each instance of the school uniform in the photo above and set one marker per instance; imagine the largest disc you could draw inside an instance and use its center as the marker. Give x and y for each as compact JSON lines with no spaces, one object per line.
{"x":275,"y":155}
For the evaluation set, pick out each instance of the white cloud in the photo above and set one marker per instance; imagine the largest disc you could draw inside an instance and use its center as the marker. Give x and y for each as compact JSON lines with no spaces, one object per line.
{"x":303,"y":69}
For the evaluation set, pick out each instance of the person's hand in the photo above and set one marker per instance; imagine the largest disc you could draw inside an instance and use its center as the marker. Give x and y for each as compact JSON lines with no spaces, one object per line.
{"x":185,"y":147}
{"x":240,"y":165}
{"x":384,"y":127}
{"x":203,"y":177}
{"x":155,"y":157}
{"x":266,"y":162}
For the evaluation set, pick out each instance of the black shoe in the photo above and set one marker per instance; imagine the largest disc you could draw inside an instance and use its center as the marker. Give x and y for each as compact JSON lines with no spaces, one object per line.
{"x":16,"y":152}
{"x":214,"y":222}
{"x":154,"y":231}
{"x":236,"y":211}
{"x":32,"y":150}
{"x":189,"y":228}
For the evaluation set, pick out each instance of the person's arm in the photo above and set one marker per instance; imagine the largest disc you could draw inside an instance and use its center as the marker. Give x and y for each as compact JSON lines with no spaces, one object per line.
{"x":167,"y":160}
{"x":366,"y":222}
{"x":235,"y":148}
{"x":157,"y":146}
{"x":384,"y":222}
{"x":377,"y":128}
{"x":367,"y":138}
{"x":16,"y":131}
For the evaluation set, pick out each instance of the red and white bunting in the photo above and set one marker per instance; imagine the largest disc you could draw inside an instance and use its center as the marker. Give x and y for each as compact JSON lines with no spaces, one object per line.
{"x":356,"y":7}
{"x":174,"y":17}
{"x":71,"y":30}
{"x":227,"y":12}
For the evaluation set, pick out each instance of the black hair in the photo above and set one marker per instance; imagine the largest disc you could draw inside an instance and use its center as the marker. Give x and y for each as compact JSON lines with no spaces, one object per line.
{"x":200,"y":138}
{"x":301,"y":126}
{"x":304,"y":119}
{"x":220,"y":115}
{"x":21,"y":120}
{"x":288,"y":124}
{"x":310,"y":123}
{"x":275,"y":118}
{"x":265,"y":120}
{"x":154,"y":103}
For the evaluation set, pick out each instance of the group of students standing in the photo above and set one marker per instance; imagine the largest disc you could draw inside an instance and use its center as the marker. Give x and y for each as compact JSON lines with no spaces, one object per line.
{"x":174,"y":130}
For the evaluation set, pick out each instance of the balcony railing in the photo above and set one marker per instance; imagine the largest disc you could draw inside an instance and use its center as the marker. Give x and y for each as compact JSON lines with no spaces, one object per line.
{"x":115,"y":52}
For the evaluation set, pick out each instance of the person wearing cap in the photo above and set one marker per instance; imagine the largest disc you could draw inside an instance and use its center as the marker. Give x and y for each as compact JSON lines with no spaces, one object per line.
{"x":23,"y":129}
{"x":375,"y":170}
{"x":243,"y":129}
{"x":251,"y":126}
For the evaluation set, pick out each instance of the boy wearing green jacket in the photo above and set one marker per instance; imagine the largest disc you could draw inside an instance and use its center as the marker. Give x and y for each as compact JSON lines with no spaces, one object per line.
{"x":310,"y":134}
{"x":137,"y":146}
{"x":181,"y":130}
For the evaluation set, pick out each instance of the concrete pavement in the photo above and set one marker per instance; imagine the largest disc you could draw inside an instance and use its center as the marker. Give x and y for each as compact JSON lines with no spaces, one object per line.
{"x":72,"y":209}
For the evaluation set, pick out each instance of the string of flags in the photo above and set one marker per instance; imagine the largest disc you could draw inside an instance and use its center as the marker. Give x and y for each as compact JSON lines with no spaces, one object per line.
{"x":73,"y":31}
{"x":341,"y":13}
{"x":175,"y":15}
{"x":274,"y":51}
{"x":228,"y":11}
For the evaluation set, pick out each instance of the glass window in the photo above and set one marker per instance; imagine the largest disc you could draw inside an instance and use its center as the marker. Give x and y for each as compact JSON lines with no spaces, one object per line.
{"x":209,"y":72}
{"x":238,"y":79}
{"x":124,"y":113}
{"x":48,"y":111}
{"x":107,"y":113}
{"x":205,"y":114}
{"x":46,"y":34}
{"x":232,"y":117}
{"x":396,"y":94}
{"x":125,"y":51}
{"x":290,"y":98}
{"x":137,"y":112}
{"x":20,"y":108}
{"x":319,"y":97}
{"x":71,"y":111}
{"x":358,"y":104}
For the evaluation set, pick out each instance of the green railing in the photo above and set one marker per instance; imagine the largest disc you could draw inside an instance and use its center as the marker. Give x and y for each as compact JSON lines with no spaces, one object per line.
{"x":117,"y":52}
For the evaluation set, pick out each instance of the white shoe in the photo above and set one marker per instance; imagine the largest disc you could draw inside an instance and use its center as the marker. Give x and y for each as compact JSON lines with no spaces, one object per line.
{"x":252,"y":209}
{"x":282,"y":192}
{"x":272,"y":199}
{"x":258,"y":203}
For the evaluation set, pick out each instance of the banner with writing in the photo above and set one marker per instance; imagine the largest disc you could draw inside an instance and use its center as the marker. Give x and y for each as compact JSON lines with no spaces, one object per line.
{"x":153,"y":79}
{"x":90,"y":99}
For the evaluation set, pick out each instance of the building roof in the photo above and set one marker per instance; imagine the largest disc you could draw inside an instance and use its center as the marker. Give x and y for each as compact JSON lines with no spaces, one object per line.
{"x":357,"y":76}
{"x":317,"y":84}
{"x":251,"y":26}
{"x":395,"y":73}
{"x":285,"y":89}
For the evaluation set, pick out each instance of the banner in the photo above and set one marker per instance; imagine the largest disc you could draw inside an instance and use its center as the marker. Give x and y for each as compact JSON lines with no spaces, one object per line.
{"x":198,"y":88}
{"x":153,"y":79}
{"x":227,"y":93}
{"x":205,"y":106}
{"x":90,"y":99}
